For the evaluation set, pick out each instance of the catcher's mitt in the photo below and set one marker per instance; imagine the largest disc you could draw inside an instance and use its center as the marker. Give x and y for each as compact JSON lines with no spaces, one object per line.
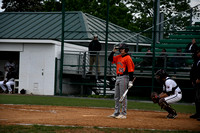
{"x":155,"y":98}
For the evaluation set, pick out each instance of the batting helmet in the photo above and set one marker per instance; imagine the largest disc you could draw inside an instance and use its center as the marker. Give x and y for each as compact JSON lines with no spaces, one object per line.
{"x":160,"y":74}
{"x":116,"y":46}
{"x":124,"y":46}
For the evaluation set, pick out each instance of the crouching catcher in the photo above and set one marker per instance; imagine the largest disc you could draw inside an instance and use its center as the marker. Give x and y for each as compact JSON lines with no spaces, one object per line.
{"x":171,"y":93}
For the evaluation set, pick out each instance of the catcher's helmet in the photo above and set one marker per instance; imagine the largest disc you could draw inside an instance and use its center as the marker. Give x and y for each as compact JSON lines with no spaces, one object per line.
{"x":124,"y":46}
{"x":160,"y":74}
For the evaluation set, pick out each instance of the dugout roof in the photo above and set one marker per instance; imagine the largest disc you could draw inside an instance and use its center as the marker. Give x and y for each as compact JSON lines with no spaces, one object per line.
{"x":47,"y":25}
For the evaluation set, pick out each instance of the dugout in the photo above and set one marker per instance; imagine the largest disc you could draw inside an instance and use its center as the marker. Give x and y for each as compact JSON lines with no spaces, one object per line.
{"x":36,"y":62}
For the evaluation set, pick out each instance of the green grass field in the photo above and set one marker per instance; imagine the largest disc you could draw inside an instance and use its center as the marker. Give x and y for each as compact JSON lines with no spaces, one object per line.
{"x":59,"y":129}
{"x":86,"y":102}
{"x":81,"y":102}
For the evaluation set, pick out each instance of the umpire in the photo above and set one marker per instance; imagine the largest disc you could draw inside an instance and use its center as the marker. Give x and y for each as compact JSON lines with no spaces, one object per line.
{"x":195,"y":79}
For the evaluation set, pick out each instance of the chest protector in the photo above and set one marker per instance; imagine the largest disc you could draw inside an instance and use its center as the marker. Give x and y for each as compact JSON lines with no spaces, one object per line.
{"x":173,"y":89}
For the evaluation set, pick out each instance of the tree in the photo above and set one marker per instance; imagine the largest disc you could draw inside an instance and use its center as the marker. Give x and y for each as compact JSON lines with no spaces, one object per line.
{"x":22,"y":5}
{"x":142,"y":11}
{"x":118,"y":13}
{"x":135,"y":15}
{"x":52,"y":5}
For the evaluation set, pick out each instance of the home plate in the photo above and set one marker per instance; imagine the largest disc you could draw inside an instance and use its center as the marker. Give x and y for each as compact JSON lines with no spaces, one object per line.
{"x":88,"y":115}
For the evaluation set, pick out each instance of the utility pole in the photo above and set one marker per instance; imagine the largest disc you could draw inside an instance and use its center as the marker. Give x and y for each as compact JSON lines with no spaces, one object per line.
{"x":154,"y":39}
{"x":106,"y":46}
{"x":62,"y":47}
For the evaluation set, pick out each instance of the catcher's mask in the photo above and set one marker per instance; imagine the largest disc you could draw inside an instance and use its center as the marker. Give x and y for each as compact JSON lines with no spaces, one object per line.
{"x":123,"y":46}
{"x":160,"y":74}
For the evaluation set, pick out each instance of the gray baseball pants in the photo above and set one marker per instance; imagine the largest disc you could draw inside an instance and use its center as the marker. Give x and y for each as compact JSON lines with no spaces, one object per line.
{"x":121,"y":86}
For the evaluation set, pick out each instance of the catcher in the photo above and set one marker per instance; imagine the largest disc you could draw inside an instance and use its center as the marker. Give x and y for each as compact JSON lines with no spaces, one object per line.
{"x":171,"y":93}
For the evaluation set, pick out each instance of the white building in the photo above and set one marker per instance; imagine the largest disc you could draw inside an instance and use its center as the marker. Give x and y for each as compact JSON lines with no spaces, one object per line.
{"x":36,"y":62}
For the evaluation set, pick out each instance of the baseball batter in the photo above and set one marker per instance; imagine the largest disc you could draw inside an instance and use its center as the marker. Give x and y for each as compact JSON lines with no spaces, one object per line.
{"x":124,"y":69}
{"x":171,"y":93}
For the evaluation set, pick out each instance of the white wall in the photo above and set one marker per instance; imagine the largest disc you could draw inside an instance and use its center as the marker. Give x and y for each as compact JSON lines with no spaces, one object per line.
{"x":37,"y":63}
{"x":37,"y":69}
{"x":10,"y":46}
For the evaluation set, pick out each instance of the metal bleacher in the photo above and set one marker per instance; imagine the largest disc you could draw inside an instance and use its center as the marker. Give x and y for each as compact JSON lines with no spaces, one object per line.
{"x":78,"y":67}
{"x":77,"y":70}
{"x":181,"y":38}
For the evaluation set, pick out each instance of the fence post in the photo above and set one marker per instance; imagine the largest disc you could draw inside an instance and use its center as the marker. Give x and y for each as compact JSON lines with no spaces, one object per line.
{"x":161,"y":26}
{"x":62,"y":46}
{"x":56,"y":77}
{"x":157,"y":19}
{"x":165,"y":62}
{"x":106,"y":46}
{"x":173,"y":24}
{"x":97,"y":64}
{"x":191,"y":16}
{"x":79,"y":62}
{"x":137,"y":41}
{"x":154,"y":41}
{"x":84,"y":64}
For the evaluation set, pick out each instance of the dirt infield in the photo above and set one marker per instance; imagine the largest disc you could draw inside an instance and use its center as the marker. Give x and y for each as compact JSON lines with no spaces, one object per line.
{"x":78,"y":116}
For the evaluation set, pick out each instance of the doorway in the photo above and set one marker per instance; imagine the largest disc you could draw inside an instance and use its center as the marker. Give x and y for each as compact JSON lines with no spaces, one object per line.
{"x":4,"y":57}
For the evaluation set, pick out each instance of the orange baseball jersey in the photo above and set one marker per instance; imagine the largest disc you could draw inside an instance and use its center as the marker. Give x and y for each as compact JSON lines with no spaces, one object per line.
{"x":123,"y":63}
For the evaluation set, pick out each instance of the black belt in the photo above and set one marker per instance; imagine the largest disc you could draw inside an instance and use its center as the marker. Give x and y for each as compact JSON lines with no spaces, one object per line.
{"x":179,"y":92}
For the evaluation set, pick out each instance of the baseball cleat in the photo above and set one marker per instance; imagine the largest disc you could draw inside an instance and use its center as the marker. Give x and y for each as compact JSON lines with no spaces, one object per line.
{"x":194,"y":116}
{"x":113,"y":116}
{"x":89,"y":73}
{"x":172,"y":116}
{"x":121,"y":117}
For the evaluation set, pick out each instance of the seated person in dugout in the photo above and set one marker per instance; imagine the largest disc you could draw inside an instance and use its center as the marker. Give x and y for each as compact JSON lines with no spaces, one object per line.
{"x":147,"y":60}
{"x":177,"y":60}
{"x":9,"y":80}
{"x":161,"y":59}
{"x":8,"y":64}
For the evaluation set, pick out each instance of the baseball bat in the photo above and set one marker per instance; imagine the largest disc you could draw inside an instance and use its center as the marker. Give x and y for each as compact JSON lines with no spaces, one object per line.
{"x":124,"y":95}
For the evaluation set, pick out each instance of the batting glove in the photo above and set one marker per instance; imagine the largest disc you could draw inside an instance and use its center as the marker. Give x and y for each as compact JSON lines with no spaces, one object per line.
{"x":130,"y":84}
